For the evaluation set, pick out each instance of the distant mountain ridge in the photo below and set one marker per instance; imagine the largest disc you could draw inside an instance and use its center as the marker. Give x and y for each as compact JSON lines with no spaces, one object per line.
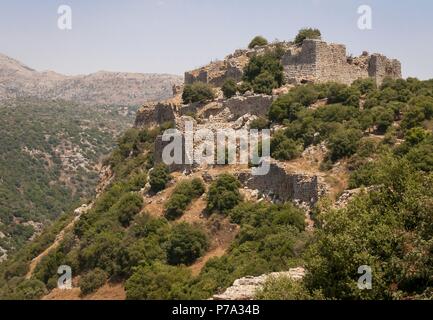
{"x":100,"y":88}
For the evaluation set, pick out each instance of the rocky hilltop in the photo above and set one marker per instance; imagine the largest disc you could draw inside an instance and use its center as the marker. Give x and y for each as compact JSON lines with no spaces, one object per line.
{"x":101,"y":88}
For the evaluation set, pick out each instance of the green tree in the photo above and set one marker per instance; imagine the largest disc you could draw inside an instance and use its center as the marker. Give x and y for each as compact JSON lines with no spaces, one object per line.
{"x":92,"y":281}
{"x":223,"y":194}
{"x":159,"y":177}
{"x":198,"y":92}
{"x":184,"y":193}
{"x":186,"y":244}
{"x":258,"y":41}
{"x":283,"y":148}
{"x":343,"y":143}
{"x":307,"y":33}
{"x":127,"y":207}
{"x":229,"y":88}
{"x":264,"y":72}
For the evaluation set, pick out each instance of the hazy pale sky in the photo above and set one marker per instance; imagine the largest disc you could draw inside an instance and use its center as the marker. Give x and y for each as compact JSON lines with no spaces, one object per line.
{"x":172,"y":36}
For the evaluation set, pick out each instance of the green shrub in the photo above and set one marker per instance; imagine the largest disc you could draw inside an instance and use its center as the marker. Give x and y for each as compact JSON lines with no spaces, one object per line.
{"x":184,"y":193}
{"x":343,"y":143}
{"x":103,"y":251}
{"x":260,"y":123}
{"x":185,"y":244}
{"x":365,"y":86}
{"x":287,"y":107}
{"x":307,"y":33}
{"x":383,"y":118}
{"x":159,"y":282}
{"x":258,"y":41}
{"x":264,"y":83}
{"x":127,"y":207}
{"x":159,"y":177}
{"x":264,"y":72}
{"x":223,"y":194}
{"x":28,"y":290}
{"x":414,"y":117}
{"x":283,"y":148}
{"x":92,"y":281}
{"x":198,"y":92}
{"x":229,"y":88}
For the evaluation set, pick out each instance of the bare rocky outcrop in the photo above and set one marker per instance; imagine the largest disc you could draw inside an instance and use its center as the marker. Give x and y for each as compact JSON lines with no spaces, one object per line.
{"x":247,"y":288}
{"x":101,"y":88}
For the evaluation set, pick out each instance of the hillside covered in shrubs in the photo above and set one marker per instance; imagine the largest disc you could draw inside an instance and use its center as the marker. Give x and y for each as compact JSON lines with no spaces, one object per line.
{"x":190,"y":235}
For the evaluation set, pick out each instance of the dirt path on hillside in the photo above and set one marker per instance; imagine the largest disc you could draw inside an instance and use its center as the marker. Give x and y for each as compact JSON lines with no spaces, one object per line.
{"x":59,"y":238}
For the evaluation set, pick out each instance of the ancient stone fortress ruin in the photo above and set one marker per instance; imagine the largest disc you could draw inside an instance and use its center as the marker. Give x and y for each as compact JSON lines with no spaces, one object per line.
{"x":313,"y":61}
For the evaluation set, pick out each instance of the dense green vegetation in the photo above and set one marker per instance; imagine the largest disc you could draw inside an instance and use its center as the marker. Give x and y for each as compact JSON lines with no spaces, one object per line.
{"x":342,"y":123}
{"x":198,"y":92}
{"x":48,"y":159}
{"x":381,"y":135}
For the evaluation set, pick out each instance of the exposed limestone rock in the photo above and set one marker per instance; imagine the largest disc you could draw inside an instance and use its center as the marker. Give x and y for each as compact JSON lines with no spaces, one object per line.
{"x":348,"y":195}
{"x":246,"y":288}
{"x":244,"y":121}
{"x":83,"y":209}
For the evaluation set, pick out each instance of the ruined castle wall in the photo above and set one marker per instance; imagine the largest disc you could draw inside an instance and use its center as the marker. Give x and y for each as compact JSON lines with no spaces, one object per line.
{"x":216,"y":73}
{"x":318,"y":61}
{"x":300,"y":65}
{"x":333,"y":64}
{"x":285,"y":186}
{"x":381,"y":67}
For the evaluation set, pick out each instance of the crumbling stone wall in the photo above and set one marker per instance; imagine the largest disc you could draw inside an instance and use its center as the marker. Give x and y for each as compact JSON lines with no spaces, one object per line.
{"x":257,"y":105}
{"x":216,"y":73}
{"x":284,"y":186}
